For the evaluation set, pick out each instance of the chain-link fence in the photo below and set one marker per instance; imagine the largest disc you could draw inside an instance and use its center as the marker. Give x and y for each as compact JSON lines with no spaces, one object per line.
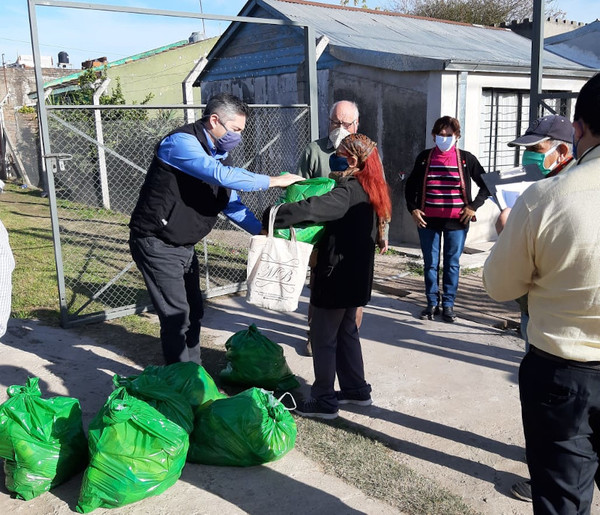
{"x":105,"y":153}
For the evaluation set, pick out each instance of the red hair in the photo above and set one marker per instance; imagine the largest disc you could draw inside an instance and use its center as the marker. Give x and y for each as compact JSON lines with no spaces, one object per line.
{"x":370,"y":172}
{"x":372,"y":179}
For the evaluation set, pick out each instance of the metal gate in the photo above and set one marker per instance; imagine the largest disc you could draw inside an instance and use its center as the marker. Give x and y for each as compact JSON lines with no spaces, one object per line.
{"x":96,"y":159}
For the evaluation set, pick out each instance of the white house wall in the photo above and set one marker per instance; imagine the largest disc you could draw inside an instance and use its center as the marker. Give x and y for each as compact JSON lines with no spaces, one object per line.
{"x":398,"y":111}
{"x":447,"y":98}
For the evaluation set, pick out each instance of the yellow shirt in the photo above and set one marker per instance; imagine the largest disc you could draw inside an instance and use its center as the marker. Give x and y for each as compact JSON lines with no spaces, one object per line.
{"x":550,"y":249}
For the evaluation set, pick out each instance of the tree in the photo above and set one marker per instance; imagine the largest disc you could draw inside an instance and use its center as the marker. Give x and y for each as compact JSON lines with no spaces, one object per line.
{"x":89,"y":81}
{"x":482,"y":12}
{"x":363,"y":3}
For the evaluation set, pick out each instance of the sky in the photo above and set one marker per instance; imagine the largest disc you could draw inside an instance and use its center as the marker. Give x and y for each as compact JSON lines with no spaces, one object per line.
{"x":87,"y":34}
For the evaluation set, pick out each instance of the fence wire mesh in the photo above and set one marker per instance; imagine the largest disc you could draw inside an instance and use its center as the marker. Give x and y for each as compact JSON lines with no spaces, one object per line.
{"x":98,"y":186}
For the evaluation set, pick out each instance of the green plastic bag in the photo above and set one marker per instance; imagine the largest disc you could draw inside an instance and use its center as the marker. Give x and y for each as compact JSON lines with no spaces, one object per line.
{"x":135,"y":452}
{"x":188,"y":379}
{"x":301,"y":191}
{"x":41,"y":440}
{"x":254,"y":360}
{"x":160,"y":395}
{"x":174,"y":390}
{"x":250,"y":428}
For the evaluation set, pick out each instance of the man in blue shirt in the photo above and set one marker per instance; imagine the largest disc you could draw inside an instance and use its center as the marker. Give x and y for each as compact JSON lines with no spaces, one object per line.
{"x":189,"y":182}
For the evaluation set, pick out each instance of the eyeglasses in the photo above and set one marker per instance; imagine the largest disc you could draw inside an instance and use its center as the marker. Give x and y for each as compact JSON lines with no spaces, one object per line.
{"x":240,"y":131}
{"x":346,"y":125}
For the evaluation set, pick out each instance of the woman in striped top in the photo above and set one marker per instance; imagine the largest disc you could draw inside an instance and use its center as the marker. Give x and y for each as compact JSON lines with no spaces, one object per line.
{"x":438,"y":196}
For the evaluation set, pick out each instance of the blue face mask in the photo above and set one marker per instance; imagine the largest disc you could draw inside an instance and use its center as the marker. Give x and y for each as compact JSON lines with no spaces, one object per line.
{"x":535,"y":158}
{"x":337,"y":163}
{"x":228,"y":141}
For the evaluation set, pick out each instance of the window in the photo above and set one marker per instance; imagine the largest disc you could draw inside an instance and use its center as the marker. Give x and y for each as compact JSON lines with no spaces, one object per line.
{"x":505,"y":117}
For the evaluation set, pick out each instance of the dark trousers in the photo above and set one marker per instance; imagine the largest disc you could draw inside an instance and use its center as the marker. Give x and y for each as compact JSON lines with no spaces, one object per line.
{"x":172,"y":277}
{"x":336,"y":350}
{"x":560,"y":402}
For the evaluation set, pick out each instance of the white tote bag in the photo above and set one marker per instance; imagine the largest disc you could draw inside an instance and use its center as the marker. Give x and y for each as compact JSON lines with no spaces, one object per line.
{"x":276,"y":269}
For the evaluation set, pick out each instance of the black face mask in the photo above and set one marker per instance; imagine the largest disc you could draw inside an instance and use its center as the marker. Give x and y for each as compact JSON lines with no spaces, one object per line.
{"x":337,"y":163}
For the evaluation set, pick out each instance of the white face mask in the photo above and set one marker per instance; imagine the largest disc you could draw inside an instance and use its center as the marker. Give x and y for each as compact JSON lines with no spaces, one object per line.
{"x":445,"y":143}
{"x":337,"y":135}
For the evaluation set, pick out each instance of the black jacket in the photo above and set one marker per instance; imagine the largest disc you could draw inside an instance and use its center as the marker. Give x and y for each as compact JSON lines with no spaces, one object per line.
{"x":174,"y":206}
{"x":415,"y":184}
{"x":346,"y":253}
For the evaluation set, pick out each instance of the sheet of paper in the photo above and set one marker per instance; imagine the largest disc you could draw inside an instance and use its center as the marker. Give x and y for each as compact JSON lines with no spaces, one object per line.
{"x":507,"y":194}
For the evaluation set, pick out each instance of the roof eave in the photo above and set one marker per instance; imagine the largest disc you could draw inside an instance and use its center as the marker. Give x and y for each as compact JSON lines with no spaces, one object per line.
{"x":524,"y":69}
{"x":385,"y":60}
{"x":232,"y":28}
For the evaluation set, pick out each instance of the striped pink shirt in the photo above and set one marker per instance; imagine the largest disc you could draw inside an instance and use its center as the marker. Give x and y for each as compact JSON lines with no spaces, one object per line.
{"x":443,"y":195}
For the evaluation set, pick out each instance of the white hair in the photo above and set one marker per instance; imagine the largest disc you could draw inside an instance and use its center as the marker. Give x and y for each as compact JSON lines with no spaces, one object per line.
{"x":338,"y":102}
{"x":556,"y":142}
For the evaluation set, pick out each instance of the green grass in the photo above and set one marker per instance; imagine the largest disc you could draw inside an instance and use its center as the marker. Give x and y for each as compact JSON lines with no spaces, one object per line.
{"x":391,"y":252}
{"x":345,"y":451}
{"x":35,"y":291}
{"x":415,"y":268}
{"x":341,"y":448}
{"x":94,"y":250}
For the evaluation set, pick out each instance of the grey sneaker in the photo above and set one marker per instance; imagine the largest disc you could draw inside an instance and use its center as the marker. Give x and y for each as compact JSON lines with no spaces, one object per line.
{"x":522,"y":490}
{"x":312,"y":408}
{"x":308,"y":346}
{"x":358,"y":400}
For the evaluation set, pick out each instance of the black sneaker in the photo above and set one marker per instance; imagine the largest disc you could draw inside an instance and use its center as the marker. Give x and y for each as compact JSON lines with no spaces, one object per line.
{"x":522,"y":490}
{"x":448,"y":314}
{"x":428,"y":312}
{"x":358,"y":400}
{"x":314,"y":409}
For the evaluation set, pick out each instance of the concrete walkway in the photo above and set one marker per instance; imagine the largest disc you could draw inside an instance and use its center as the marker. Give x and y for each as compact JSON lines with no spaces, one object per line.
{"x":438,"y":390}
{"x":445,"y":398}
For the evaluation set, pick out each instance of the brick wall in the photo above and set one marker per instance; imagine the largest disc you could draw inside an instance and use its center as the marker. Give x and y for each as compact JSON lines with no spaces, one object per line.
{"x":22,"y":129}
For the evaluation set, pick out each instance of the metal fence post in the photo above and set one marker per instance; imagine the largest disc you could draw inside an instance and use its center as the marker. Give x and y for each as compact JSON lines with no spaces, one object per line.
{"x":537,"y":66}
{"x":188,"y":89}
{"x":312,"y":100}
{"x":100,"y":137}
{"x":50,"y":164}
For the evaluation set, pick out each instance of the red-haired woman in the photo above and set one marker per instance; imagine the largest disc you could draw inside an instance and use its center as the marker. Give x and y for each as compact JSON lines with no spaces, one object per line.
{"x":343,"y":275}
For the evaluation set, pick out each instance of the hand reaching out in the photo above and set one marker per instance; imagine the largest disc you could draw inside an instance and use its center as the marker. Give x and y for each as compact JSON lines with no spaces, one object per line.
{"x":283,"y":181}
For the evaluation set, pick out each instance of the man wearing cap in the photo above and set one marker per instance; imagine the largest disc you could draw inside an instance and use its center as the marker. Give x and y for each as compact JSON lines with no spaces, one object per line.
{"x":550,"y":249}
{"x":548,"y":143}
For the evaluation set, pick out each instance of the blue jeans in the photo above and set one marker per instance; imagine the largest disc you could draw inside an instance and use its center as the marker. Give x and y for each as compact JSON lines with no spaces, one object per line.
{"x":454,"y":243}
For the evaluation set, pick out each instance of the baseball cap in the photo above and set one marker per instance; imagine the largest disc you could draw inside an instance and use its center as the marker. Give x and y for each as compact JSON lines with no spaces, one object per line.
{"x":547,"y":127}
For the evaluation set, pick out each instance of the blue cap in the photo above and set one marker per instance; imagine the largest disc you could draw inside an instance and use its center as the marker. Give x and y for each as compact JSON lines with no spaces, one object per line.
{"x":547,"y":127}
